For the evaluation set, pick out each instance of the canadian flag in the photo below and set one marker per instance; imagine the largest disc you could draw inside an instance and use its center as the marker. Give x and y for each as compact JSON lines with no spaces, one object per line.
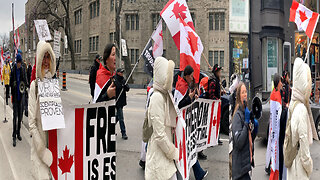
{"x":157,"y":37}
{"x":190,"y":49}
{"x":304,"y":18}
{"x":181,"y":90}
{"x":103,"y":77}
{"x":18,"y":39}
{"x":171,"y":14}
{"x":2,"y":59}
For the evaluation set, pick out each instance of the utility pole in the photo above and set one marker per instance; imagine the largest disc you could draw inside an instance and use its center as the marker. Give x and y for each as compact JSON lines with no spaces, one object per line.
{"x":120,"y":46}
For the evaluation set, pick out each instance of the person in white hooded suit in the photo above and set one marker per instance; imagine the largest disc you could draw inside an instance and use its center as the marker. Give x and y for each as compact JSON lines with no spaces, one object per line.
{"x":41,"y":156}
{"x":161,"y":151}
{"x":302,"y":124}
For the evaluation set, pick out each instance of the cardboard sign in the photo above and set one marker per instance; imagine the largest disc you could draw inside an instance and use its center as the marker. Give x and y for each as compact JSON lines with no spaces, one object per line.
{"x":86,"y":148}
{"x":124,"y":47}
{"x":56,"y":43}
{"x":42,"y":30}
{"x":52,"y":116}
{"x":197,"y":129}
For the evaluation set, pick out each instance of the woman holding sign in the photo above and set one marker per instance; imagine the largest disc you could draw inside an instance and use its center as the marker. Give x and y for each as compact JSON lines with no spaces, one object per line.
{"x":41,"y":156}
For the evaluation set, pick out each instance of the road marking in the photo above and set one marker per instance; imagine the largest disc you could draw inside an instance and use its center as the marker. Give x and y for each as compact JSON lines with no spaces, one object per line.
{"x":7,"y":152}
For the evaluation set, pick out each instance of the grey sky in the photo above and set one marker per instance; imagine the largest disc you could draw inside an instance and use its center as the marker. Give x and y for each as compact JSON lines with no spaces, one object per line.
{"x":6,"y":15}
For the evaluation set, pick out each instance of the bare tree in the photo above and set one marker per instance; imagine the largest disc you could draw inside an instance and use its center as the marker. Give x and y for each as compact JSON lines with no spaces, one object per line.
{"x":4,"y":41}
{"x":57,"y":13}
{"x":127,"y":63}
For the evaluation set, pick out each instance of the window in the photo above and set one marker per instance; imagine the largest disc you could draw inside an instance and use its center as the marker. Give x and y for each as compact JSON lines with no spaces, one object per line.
{"x":155,"y":19}
{"x":137,"y":55}
{"x":221,"y":58}
{"x":77,"y":46}
{"x":78,"y":16}
{"x":94,"y":9}
{"x":211,"y":58}
{"x":134,"y":55}
{"x":93,"y":43}
{"x":193,"y":16}
{"x":111,"y":37}
{"x":217,"y":21}
{"x":132,"y":22}
{"x":210,"y":21}
{"x":216,"y":57}
{"x":111,"y":5}
{"x":131,"y":1}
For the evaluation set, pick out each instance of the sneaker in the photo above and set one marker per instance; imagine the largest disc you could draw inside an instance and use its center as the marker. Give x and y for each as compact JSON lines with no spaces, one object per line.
{"x":19,"y":137}
{"x":205,"y":175}
{"x":142,"y":164}
{"x":124,"y":136}
{"x":220,"y":142}
{"x":201,"y":156}
{"x":14,"y":142}
{"x":267,"y":170}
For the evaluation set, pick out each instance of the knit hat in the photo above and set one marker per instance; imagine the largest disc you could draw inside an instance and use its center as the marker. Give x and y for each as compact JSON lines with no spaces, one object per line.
{"x":19,"y":58}
{"x":216,"y":68}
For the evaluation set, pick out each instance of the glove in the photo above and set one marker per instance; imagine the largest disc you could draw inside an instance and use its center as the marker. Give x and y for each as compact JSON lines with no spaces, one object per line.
{"x":47,"y":157}
{"x":246,"y":115}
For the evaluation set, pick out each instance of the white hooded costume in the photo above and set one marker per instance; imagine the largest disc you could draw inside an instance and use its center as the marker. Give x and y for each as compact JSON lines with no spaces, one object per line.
{"x":161,"y":151}
{"x":302,"y":124}
{"x":41,"y":156}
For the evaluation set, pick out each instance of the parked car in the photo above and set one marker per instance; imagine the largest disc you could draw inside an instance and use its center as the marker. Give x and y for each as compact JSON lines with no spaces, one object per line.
{"x":264,"y":120}
{"x":224,"y":120}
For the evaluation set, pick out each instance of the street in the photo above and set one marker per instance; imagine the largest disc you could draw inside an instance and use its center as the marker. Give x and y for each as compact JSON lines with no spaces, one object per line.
{"x":128,"y":151}
{"x":260,"y":149}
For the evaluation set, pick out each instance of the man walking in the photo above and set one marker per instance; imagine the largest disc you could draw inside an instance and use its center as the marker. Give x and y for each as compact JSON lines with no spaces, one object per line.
{"x":93,"y":74}
{"x":17,"y":84}
{"x":122,"y":88}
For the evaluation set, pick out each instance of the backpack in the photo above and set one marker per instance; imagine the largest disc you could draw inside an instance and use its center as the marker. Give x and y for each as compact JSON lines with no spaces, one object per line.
{"x":290,"y":151}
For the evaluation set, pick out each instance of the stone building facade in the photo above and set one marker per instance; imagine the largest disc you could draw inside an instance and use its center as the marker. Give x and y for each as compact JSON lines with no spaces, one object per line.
{"x":93,"y":26}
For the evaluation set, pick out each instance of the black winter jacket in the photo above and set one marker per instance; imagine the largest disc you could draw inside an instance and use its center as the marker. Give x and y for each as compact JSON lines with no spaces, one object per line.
{"x":93,"y":76}
{"x":120,"y":84}
{"x":14,"y":83}
{"x":241,"y":147}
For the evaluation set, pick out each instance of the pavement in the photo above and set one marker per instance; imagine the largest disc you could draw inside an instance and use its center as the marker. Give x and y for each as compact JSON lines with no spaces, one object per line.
{"x":128,"y":151}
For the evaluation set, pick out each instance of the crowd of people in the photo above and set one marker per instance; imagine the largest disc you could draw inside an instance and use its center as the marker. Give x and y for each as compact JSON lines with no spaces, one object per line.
{"x":291,"y":121}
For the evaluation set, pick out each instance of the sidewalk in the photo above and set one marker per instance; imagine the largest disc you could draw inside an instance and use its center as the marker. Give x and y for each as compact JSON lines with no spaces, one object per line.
{"x":15,"y":161}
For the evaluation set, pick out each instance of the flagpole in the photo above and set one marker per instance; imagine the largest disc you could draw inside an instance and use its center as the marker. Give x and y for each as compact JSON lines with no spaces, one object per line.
{"x":13,"y":31}
{"x":305,"y":58}
{"x":206,"y":61}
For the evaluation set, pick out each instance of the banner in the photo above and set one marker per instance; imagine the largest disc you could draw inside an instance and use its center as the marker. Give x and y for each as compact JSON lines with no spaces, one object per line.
{"x":50,"y":104}
{"x":86,"y":148}
{"x":147,"y":55}
{"x":197,"y":129}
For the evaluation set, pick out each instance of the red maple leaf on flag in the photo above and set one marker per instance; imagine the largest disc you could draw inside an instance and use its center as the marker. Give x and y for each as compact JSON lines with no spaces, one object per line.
{"x":161,"y":35}
{"x":193,"y":42}
{"x":179,"y":10}
{"x":303,"y":16}
{"x":65,"y":162}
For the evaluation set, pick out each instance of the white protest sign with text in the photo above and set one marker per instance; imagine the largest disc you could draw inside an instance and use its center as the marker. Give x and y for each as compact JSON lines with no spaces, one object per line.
{"x":50,"y":104}
{"x":42,"y":30}
{"x":56,"y":43}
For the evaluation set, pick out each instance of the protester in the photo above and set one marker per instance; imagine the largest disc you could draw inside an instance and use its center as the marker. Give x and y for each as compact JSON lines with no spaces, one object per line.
{"x":214,"y":87}
{"x":121,"y":90}
{"x":302,"y":123}
{"x":161,"y":152}
{"x":272,"y":155}
{"x":25,"y":95}
{"x":41,"y":156}
{"x":17,"y":81}
{"x":106,"y":73}
{"x":189,"y":97}
{"x":6,"y":71}
{"x":93,"y":73}
{"x":243,"y":136}
{"x":29,"y":72}
{"x":285,"y":95}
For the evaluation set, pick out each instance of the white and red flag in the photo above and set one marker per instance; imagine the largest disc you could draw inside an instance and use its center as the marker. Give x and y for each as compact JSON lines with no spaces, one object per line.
{"x":2,"y":59}
{"x":157,"y":37}
{"x":171,"y":14}
{"x":181,"y":90}
{"x":18,"y":39}
{"x":304,"y":18}
{"x":103,"y":77}
{"x":190,"y":49}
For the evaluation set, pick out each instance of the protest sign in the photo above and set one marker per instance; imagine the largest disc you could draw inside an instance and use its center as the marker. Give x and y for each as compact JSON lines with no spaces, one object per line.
{"x":86,"y":148}
{"x":197,"y":129}
{"x":56,"y":43}
{"x":42,"y":30}
{"x":50,"y":104}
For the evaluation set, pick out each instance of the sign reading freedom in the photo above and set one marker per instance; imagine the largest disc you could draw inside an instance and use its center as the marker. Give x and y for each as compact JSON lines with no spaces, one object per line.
{"x":197,"y":129}
{"x":86,"y":148}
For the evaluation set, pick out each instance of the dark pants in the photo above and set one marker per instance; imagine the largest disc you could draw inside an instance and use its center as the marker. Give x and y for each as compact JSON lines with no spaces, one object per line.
{"x":7,"y":93}
{"x":283,"y":123}
{"x":198,"y":171}
{"x":17,"y":114}
{"x":25,"y":104}
{"x":119,"y":118}
{"x":245,"y":177}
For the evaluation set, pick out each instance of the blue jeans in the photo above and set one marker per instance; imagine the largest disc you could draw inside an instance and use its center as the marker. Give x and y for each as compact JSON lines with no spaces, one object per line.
{"x":198,"y":171}
{"x":119,"y":118}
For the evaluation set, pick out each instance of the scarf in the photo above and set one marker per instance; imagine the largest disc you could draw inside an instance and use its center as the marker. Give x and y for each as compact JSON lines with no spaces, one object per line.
{"x":300,"y":97}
